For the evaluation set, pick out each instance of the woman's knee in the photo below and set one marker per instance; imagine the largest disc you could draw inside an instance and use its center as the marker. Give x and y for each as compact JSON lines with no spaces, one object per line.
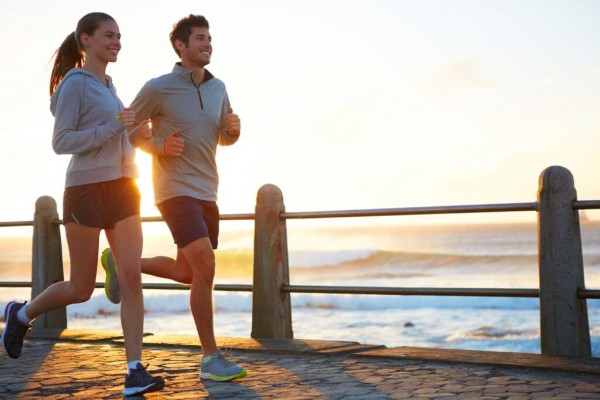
{"x":79,"y":294}
{"x":130,"y":279}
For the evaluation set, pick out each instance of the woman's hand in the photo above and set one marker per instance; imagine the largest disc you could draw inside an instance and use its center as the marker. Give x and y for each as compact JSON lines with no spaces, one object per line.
{"x":127,"y":117}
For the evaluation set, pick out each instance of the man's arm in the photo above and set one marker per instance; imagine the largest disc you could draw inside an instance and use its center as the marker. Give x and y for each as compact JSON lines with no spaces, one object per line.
{"x":231,"y":132}
{"x":146,"y":105}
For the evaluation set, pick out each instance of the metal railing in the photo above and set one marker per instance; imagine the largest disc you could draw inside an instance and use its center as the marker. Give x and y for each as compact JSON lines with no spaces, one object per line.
{"x":563,"y":310}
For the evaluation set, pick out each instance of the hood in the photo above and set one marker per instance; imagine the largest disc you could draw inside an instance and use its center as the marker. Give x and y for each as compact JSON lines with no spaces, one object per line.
{"x":72,"y":72}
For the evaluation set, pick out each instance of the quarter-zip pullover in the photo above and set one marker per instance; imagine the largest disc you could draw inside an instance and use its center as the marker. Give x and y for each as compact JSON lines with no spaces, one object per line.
{"x":174,"y":102}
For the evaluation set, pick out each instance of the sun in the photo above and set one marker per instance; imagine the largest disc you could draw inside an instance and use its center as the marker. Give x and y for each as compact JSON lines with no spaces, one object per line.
{"x":144,"y":182}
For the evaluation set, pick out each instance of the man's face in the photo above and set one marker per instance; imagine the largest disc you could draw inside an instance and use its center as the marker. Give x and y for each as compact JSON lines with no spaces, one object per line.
{"x":198,"y":50}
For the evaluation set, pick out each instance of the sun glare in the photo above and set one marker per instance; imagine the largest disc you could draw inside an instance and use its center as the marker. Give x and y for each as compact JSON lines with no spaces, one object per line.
{"x":144,"y":163}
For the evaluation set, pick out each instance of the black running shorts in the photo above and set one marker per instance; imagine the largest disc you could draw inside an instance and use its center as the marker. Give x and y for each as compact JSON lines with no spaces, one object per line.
{"x":190,"y":219}
{"x":103,"y":204}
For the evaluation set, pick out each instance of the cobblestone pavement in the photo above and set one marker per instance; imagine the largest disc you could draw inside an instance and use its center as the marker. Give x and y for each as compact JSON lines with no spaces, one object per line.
{"x":90,"y":365}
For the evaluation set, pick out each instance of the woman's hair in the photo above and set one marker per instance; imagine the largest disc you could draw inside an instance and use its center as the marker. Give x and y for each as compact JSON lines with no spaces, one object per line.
{"x":183,"y":29}
{"x":71,"y":53}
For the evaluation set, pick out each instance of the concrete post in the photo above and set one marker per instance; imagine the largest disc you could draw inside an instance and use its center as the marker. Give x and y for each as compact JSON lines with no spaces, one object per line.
{"x":47,"y":264}
{"x":563,"y":316}
{"x":271,"y":308}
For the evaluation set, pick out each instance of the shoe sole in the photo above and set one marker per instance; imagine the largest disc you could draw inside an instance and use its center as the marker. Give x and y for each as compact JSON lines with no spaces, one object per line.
{"x":208,"y":375}
{"x":112,"y":294}
{"x":149,"y":389}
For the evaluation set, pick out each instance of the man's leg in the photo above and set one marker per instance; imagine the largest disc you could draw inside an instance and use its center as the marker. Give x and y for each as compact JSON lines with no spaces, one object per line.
{"x":194,"y":225}
{"x":214,"y":365}
{"x":165,"y":267}
{"x":200,"y":257}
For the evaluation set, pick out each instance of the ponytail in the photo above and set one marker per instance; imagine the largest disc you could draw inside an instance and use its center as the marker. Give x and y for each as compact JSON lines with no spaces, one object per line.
{"x":66,"y":57}
{"x":71,"y":53}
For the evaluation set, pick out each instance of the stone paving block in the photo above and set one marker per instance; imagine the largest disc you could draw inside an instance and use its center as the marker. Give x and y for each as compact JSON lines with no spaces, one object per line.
{"x":90,"y":365}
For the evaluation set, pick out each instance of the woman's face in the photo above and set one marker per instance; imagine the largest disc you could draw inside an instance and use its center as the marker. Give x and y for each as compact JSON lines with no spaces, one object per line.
{"x":105,"y":43}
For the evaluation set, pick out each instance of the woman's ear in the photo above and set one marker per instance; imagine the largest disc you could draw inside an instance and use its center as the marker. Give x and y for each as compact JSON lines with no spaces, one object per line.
{"x":85,"y":39}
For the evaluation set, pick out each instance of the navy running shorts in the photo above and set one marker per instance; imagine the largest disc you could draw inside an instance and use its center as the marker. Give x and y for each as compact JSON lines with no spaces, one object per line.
{"x":190,"y":219}
{"x":101,"y":205}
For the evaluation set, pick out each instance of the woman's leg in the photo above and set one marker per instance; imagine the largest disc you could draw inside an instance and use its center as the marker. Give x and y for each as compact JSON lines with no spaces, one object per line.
{"x":83,"y":252}
{"x":126,"y":243}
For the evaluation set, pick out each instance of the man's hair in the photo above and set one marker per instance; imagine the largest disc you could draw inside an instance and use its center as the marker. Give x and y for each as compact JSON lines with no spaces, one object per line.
{"x":183,"y":29}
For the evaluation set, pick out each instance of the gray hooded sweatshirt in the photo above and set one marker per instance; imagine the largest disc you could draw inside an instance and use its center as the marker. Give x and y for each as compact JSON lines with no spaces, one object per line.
{"x":85,"y":125}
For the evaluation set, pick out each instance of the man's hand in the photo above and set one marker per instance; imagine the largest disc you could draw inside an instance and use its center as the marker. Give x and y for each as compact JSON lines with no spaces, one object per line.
{"x":143,"y":130}
{"x":140,"y":134}
{"x":174,"y":144}
{"x":232,"y":123}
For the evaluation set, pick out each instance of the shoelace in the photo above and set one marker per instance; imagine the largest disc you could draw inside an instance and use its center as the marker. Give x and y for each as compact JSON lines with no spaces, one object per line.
{"x":225,"y":360}
{"x":219,"y":356}
{"x":144,"y":370}
{"x":141,"y":369}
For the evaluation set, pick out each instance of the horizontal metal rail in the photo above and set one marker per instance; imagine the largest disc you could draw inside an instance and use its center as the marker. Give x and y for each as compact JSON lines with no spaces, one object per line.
{"x":179,"y":286}
{"x":475,"y":208}
{"x":15,"y":284}
{"x":162,"y":286}
{"x":477,"y":292}
{"x":588,"y":293}
{"x":586,"y":204}
{"x":458,"y":209}
{"x":223,"y":217}
{"x":366,"y":290}
{"x":450,"y":292}
{"x":8,"y":224}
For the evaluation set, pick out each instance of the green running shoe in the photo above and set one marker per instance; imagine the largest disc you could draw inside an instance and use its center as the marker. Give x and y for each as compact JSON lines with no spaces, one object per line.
{"x":218,"y":368}
{"x":111,"y":283}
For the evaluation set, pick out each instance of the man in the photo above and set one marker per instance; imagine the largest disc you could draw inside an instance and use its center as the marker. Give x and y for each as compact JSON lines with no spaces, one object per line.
{"x":190,"y":114}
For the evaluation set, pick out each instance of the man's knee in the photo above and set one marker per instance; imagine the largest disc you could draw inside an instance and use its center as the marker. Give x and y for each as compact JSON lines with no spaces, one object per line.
{"x":183,"y":275}
{"x":201,"y":258}
{"x":204,"y":268}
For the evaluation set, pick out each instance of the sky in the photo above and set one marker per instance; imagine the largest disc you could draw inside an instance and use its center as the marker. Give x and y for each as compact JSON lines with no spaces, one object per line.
{"x":345,"y":104}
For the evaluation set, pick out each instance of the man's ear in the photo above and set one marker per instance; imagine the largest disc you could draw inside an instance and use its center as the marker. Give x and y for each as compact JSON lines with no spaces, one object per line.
{"x":180,"y":45}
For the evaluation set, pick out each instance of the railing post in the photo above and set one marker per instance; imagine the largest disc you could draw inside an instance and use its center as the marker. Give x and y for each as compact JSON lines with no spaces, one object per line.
{"x":47,"y":264}
{"x":271,"y":308}
{"x":564,"y":322}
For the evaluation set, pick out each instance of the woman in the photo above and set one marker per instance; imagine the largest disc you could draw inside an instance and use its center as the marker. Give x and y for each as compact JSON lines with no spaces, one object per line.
{"x":92,"y":125}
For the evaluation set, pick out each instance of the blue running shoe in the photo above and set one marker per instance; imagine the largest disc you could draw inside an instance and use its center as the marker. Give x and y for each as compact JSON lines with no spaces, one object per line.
{"x":139,"y":381}
{"x":14,"y":331}
{"x":111,"y":283}
{"x":218,"y":368}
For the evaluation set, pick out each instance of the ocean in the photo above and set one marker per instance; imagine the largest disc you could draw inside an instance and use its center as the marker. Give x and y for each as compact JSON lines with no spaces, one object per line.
{"x":447,"y":255}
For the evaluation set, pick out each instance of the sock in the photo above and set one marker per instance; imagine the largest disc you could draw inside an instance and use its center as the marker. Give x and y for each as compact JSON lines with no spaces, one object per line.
{"x":22,"y":317}
{"x":132,"y":365}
